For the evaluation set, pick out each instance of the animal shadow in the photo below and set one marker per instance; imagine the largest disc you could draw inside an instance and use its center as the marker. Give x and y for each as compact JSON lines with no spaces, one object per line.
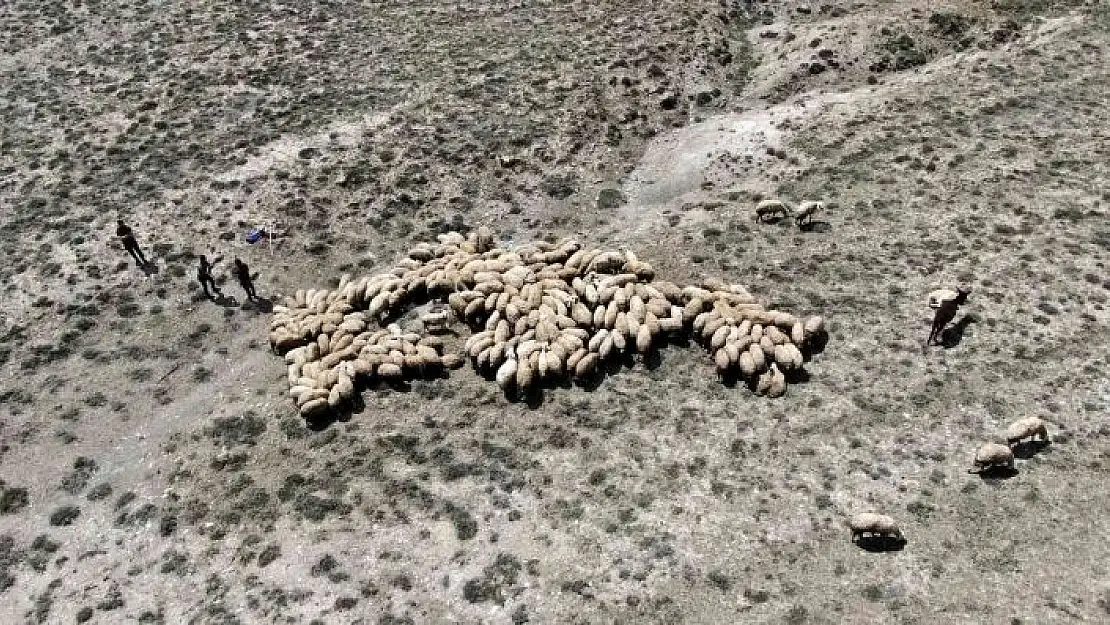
{"x":820,"y":227}
{"x":340,"y":414}
{"x":796,"y":376}
{"x":997,"y":473}
{"x":953,"y":334}
{"x":1027,"y":449}
{"x":816,"y":344}
{"x":880,"y":544}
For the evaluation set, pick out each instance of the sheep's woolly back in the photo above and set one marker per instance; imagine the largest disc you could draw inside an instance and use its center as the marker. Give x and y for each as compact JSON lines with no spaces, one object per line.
{"x":939,"y":296}
{"x":1026,"y":427}
{"x":990,"y":454}
{"x":874,"y":523}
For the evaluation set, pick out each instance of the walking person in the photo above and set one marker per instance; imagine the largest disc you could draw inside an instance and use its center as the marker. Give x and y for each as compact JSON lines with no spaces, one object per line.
{"x":204,"y":275}
{"x":123,"y":231}
{"x":243,"y":274}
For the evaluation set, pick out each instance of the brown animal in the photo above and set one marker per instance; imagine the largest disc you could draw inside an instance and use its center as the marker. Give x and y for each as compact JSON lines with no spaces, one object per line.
{"x":946,"y":312}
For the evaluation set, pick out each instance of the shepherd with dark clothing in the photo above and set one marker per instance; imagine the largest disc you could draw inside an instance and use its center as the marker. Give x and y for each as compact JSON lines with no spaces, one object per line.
{"x":243,"y":274}
{"x":123,"y":231}
{"x":204,"y":275}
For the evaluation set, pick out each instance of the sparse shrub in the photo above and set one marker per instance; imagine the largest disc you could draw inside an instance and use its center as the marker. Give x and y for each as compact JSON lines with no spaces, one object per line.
{"x":175,"y":562}
{"x":797,"y":615}
{"x":756,"y":596}
{"x":125,"y":499}
{"x":100,"y":491}
{"x":12,"y":499}
{"x":324,"y":565}
{"x":345,"y":603}
{"x":720,"y":580}
{"x":466,"y":527}
{"x":949,"y":24}
{"x":78,"y":479}
{"x":268,"y":555}
{"x":202,"y":374}
{"x":64,"y":515}
{"x":237,"y":430}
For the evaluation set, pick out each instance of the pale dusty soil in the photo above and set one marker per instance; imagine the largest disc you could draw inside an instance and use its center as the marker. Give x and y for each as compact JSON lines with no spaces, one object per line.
{"x":660,"y":497}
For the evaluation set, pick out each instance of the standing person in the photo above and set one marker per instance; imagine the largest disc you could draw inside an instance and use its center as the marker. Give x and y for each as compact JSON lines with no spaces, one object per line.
{"x":204,"y":275}
{"x":123,"y":231}
{"x":243,"y":274}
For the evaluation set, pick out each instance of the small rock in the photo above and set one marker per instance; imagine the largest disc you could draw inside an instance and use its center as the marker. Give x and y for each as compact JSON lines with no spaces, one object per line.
{"x":669,"y":103}
{"x":816,"y":68}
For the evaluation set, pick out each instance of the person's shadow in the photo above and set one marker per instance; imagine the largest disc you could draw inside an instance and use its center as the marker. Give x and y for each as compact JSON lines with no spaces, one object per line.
{"x":149,"y":268}
{"x":260,"y":304}
{"x":226,"y":301}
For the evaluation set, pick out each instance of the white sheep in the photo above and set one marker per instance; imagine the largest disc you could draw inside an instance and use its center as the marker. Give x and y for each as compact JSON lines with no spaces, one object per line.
{"x":992,"y":456}
{"x":869,"y":524}
{"x":771,"y":208}
{"x":1029,"y":427}
{"x":805,"y":212}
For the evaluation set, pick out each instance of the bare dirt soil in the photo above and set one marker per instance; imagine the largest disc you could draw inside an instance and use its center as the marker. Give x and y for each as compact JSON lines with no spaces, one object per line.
{"x":154,"y":471}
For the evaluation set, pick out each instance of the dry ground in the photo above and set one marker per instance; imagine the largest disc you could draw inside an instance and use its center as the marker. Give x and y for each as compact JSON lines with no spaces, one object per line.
{"x":153,"y":471}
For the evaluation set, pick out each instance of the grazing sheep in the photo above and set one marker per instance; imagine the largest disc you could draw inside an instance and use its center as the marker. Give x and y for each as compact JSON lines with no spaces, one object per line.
{"x":992,"y":456}
{"x":1029,"y":427}
{"x":771,"y":208}
{"x":805,"y":212}
{"x":946,"y":312}
{"x":875,"y":526}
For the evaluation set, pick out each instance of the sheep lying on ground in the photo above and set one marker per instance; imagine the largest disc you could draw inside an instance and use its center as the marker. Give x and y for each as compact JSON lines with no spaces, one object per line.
{"x":992,"y":456}
{"x":771,"y":208}
{"x":1029,"y":427}
{"x":868,"y":524}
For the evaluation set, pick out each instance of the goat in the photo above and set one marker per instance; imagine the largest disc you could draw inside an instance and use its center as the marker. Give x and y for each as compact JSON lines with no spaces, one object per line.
{"x":946,"y":312}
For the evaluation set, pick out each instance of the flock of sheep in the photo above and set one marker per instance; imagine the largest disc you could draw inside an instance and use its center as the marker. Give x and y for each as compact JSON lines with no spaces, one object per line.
{"x":547,"y":312}
{"x":544,"y":312}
